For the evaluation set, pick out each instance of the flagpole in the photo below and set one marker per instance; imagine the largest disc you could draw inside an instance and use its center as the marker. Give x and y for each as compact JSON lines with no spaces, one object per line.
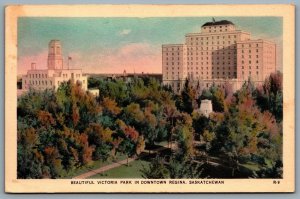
{"x":69,"y":58}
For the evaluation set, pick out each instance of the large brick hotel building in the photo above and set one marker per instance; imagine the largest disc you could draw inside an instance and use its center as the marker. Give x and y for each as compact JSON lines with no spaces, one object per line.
{"x":219,"y":53}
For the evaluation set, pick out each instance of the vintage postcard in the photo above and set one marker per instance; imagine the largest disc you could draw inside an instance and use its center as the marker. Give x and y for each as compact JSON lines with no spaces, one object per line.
{"x":149,"y":98}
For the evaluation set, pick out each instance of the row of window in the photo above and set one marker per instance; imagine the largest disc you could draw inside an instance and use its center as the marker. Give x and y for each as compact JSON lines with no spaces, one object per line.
{"x":222,"y":51}
{"x":212,"y":43}
{"x":222,"y":68}
{"x":249,"y":67}
{"x":217,"y":73}
{"x":213,"y":68}
{"x":210,"y":27}
{"x":178,"y":63}
{"x":172,"y":68}
{"x":250,"y":51}
{"x":223,"y":58}
{"x":206,"y":52}
{"x":250,"y":61}
{"x":213,"y":63}
{"x":197,"y":73}
{"x":172,"y":58}
{"x":219,"y":30}
{"x":203,"y":63}
{"x":38,"y":75}
{"x":216,"y":47}
{"x":250,"y":73}
{"x":57,"y":50}
{"x":249,"y":56}
{"x":209,"y":58}
{"x":176,"y":77}
{"x":39,"y":82}
{"x":249,"y":45}
{"x":172,"y":73}
{"x":196,"y":68}
{"x":211,"y":38}
{"x":66,"y":75}
{"x":172,"y":53}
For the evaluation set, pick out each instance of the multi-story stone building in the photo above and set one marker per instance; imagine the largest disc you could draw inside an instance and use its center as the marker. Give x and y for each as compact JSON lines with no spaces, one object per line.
{"x":55,"y":74}
{"x":219,"y":53}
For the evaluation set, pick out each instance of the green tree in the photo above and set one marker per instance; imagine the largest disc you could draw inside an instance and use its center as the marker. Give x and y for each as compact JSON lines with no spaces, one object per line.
{"x":188,"y":98}
{"x":156,"y":170}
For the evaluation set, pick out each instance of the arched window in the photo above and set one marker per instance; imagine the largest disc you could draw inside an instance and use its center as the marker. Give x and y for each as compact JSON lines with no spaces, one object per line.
{"x":58,"y":50}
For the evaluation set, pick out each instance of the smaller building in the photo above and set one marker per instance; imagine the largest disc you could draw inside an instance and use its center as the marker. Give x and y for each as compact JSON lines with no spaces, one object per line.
{"x":55,"y":74}
{"x":206,"y":107}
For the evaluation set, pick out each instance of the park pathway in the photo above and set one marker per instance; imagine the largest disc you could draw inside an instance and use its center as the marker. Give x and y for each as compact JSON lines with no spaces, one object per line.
{"x":117,"y":164}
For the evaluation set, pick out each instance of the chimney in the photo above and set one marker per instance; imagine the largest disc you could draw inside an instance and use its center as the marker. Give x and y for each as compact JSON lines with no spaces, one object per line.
{"x":33,"y":66}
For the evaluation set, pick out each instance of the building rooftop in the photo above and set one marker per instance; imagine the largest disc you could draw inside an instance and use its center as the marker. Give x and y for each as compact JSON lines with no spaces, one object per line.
{"x":215,"y":23}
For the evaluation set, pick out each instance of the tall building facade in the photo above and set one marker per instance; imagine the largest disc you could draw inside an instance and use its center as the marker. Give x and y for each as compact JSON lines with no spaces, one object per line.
{"x":55,"y":74}
{"x":218,"y":54}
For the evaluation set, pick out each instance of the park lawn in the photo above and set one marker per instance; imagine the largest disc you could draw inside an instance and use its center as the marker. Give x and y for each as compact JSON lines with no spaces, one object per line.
{"x":124,"y":171}
{"x":251,"y":166}
{"x":256,"y":167}
{"x":93,"y":165}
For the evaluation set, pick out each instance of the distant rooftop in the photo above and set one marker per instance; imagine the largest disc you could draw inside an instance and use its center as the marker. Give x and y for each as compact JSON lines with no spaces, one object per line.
{"x":215,"y":23}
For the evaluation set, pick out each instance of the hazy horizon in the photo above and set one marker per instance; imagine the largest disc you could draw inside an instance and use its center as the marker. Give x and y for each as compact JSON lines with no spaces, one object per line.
{"x":112,"y":45}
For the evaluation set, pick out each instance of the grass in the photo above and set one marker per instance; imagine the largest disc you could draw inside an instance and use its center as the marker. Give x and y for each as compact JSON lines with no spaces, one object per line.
{"x":93,"y":165}
{"x":124,"y":171}
{"x":131,"y":171}
{"x":251,"y":166}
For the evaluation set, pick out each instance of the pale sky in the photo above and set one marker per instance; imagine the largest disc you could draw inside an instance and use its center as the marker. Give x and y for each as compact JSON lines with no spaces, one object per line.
{"x":112,"y":45}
